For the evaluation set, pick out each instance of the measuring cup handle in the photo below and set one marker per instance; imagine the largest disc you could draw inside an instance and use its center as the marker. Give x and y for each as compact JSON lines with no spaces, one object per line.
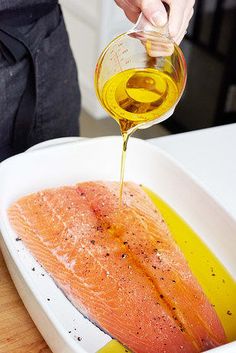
{"x":143,"y":25}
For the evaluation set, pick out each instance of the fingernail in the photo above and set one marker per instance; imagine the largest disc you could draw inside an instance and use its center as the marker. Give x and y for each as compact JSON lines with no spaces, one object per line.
{"x":159,"y":18}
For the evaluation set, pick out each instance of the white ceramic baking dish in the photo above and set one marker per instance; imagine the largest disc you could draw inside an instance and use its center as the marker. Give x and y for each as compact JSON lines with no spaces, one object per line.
{"x":68,"y":163}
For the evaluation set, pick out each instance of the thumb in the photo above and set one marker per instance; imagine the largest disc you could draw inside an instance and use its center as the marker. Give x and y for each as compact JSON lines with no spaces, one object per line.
{"x":155,"y":12}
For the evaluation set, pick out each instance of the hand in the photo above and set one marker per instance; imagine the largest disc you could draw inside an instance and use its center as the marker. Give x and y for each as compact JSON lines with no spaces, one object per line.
{"x":180,"y":14}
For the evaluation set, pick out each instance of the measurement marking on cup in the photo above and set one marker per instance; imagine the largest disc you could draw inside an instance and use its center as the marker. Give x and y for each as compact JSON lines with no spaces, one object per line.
{"x":118,"y":61}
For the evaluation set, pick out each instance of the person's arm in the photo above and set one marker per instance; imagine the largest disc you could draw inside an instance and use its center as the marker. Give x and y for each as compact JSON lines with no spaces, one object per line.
{"x":180,"y":14}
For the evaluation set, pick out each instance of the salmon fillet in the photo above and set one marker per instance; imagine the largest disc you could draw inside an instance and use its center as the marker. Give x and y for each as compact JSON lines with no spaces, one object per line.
{"x":119,"y":266}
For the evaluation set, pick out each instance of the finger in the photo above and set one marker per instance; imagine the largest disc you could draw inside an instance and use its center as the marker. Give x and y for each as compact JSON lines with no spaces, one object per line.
{"x":157,"y":48}
{"x":183,"y":29}
{"x":178,"y":11}
{"x":154,"y":11}
{"x":161,"y":51}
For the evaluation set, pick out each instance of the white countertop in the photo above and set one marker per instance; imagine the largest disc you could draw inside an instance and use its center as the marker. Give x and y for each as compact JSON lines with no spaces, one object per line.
{"x":209,"y":155}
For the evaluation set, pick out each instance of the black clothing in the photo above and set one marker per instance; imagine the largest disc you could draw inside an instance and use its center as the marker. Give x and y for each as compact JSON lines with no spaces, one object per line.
{"x":40,"y":97}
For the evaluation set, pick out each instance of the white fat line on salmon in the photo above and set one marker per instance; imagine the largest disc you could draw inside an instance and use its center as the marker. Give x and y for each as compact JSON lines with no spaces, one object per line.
{"x":58,"y":217}
{"x":144,"y":224}
{"x":64,"y":259}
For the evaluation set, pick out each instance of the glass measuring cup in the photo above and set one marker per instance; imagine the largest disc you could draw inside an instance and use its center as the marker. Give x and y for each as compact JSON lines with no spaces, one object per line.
{"x":143,"y":47}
